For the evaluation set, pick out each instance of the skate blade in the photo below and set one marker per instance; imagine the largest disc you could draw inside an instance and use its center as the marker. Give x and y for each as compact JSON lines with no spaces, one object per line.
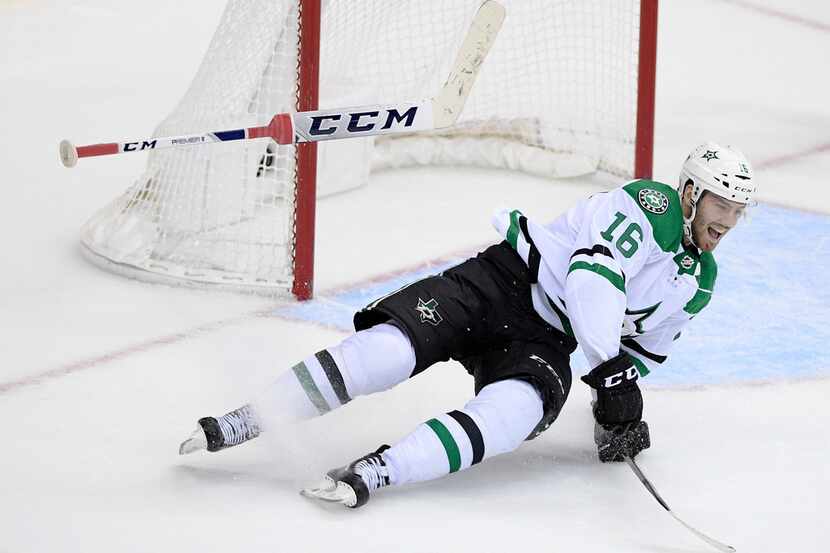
{"x":329,"y":491}
{"x":196,"y":442}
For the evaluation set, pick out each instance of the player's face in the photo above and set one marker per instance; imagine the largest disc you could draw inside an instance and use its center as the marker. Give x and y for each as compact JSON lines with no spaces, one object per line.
{"x":715,"y":217}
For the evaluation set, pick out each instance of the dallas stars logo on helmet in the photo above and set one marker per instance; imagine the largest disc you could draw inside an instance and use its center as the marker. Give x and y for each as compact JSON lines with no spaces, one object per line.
{"x":653,"y":200}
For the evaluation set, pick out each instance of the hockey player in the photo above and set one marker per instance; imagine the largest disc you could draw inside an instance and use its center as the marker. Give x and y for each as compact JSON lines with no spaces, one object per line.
{"x":619,"y":274}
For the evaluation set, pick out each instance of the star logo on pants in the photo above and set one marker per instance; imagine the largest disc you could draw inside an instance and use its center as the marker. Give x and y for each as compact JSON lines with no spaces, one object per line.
{"x":429,"y":311}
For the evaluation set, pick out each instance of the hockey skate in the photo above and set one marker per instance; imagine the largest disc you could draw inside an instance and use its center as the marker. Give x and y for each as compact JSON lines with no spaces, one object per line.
{"x":353,"y":484}
{"x":229,"y":430}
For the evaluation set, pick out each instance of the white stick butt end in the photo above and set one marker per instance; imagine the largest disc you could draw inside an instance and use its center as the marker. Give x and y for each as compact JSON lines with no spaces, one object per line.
{"x":69,"y":155}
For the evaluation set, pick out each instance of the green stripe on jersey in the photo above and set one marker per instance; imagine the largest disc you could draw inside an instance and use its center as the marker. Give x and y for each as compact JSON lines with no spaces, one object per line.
{"x":661,"y":205}
{"x":563,"y":319}
{"x":617,"y":280}
{"x":641,"y":367}
{"x":705,"y":284}
{"x":453,"y":454}
{"x":514,"y":230}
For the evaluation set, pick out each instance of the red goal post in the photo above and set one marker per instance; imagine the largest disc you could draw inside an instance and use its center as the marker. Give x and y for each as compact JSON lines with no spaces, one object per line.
{"x":646,"y":86}
{"x":308,"y":91}
{"x":568,"y":89}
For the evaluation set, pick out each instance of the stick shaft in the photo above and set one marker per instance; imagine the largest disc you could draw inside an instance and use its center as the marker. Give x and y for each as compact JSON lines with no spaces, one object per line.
{"x":280,"y":129}
{"x":313,"y":126}
{"x":650,"y":487}
{"x":284,"y":128}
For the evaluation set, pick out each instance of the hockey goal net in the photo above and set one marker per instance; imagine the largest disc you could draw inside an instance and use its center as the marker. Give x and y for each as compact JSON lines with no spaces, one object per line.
{"x":568,"y":88}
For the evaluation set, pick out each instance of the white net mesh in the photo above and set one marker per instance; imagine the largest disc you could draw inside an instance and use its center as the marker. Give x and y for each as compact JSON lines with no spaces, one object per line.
{"x":556,"y":97}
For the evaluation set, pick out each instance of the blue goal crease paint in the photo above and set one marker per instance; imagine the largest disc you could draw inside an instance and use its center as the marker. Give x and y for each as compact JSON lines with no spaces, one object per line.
{"x":769,"y":318}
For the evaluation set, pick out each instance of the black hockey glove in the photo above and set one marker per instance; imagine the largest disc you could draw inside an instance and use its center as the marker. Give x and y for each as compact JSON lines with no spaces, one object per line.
{"x":615,"y":442}
{"x":618,"y":409}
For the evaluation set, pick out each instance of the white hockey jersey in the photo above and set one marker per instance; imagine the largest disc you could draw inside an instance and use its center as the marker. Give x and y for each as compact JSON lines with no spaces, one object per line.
{"x":613,"y":273}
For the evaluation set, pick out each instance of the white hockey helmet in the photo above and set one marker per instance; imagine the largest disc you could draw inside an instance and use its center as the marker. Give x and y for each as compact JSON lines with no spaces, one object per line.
{"x":721,"y":170}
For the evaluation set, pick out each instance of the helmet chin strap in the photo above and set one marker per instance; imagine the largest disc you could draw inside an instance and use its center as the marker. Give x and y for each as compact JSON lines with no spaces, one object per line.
{"x":687,"y":225}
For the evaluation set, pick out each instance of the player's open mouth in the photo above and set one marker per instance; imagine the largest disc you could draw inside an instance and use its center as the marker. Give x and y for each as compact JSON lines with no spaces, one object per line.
{"x":714,"y":234}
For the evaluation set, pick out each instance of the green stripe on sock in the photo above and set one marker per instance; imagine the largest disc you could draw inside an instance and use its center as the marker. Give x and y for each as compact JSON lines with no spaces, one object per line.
{"x":311,"y":389}
{"x":617,"y":280}
{"x":453,"y":455}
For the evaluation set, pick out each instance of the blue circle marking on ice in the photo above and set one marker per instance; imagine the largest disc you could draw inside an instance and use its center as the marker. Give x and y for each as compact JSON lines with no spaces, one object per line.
{"x":769,"y":318}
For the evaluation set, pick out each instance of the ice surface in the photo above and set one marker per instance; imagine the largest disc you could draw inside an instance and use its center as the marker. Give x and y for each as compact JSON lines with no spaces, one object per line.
{"x":102,"y":377}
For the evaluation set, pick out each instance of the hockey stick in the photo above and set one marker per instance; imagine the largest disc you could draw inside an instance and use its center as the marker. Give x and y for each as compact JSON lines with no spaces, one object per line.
{"x":711,"y":541}
{"x":311,"y":126}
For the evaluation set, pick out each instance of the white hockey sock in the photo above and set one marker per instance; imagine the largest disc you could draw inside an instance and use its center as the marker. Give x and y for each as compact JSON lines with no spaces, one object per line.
{"x":496,"y":421}
{"x":368,"y":361}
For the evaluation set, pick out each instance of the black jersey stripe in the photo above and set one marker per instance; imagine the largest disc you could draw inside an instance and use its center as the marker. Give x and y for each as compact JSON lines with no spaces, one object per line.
{"x":566,"y":323}
{"x":597,"y":248}
{"x":533,"y":257}
{"x":334,"y":376}
{"x":632,"y":344}
{"x":473,"y":433}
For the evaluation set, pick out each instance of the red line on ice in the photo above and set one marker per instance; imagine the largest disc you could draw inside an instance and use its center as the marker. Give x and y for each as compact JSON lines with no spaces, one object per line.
{"x":792,"y":18}
{"x":795,"y":156}
{"x":155,"y":343}
{"x":462,"y":253}
{"x":141,"y":347}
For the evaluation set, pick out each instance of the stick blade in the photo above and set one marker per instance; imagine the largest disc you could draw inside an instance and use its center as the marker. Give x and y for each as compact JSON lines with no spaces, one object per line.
{"x":449,"y":103}
{"x":720,"y":546}
{"x":68,"y":153}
